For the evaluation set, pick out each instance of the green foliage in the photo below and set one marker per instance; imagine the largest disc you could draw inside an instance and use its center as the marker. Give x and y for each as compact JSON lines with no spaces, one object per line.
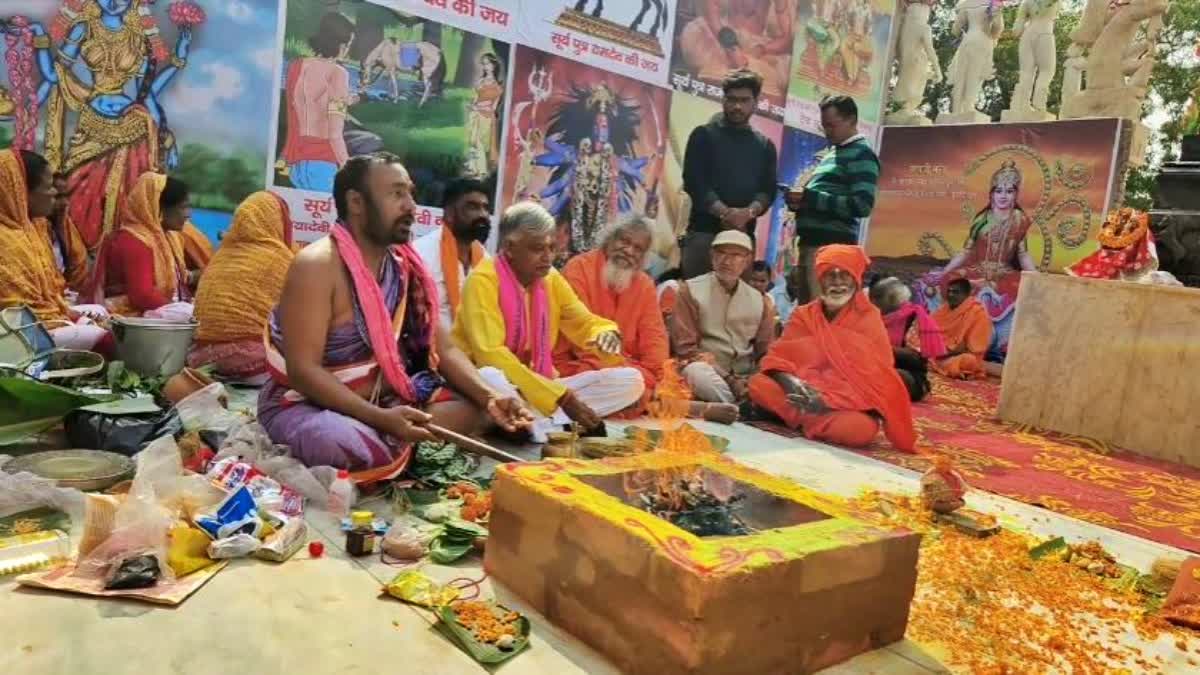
{"x":296,"y":48}
{"x":219,"y":182}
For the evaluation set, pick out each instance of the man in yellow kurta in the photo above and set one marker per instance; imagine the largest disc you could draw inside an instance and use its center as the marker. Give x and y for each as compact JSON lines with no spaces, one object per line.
{"x":967,"y":329}
{"x":514,"y":308}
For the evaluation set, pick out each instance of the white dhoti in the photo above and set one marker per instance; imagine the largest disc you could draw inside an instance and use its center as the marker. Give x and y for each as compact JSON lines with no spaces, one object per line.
{"x":707,"y":384}
{"x":605,"y":391}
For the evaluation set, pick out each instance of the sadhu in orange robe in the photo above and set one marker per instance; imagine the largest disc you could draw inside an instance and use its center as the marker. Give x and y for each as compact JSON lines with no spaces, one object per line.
{"x":636,"y":313}
{"x":848,"y":360}
{"x":968,"y":327}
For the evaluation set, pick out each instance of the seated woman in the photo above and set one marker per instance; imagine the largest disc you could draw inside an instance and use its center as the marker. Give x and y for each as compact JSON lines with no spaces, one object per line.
{"x":197,"y":248}
{"x":28,"y":276}
{"x":240,"y":287}
{"x":140,"y":269}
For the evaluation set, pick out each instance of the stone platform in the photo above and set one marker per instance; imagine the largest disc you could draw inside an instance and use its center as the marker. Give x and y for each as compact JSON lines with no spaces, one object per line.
{"x":809,"y":587}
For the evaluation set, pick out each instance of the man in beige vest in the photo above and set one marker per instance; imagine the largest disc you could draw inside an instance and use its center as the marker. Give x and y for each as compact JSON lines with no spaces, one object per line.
{"x":722,"y":326}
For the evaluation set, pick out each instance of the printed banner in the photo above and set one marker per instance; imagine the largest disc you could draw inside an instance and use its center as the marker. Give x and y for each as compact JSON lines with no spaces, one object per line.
{"x":713,"y":37}
{"x":493,"y":18}
{"x":197,"y":112}
{"x":586,"y":143}
{"x":687,"y":113}
{"x":985,"y":202}
{"x":841,"y":47}
{"x":629,"y":37}
{"x":367,"y":78}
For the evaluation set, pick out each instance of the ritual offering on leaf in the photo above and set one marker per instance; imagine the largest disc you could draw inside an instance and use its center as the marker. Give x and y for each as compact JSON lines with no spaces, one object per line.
{"x":488,"y":632}
{"x":942,"y":487}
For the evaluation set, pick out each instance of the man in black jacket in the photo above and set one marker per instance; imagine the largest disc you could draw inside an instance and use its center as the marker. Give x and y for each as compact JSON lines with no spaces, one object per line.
{"x":728,"y":171}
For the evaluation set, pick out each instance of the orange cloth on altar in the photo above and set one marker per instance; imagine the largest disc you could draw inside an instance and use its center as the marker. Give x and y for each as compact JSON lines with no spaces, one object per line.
{"x":848,"y":360}
{"x":245,"y":278}
{"x":142,"y":219}
{"x":635,"y":311}
{"x":968,"y":326}
{"x":27,"y":275}
{"x":197,"y":249}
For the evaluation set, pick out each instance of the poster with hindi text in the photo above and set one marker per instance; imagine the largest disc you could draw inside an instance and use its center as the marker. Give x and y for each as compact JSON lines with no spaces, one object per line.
{"x":491,"y":18}
{"x":628,"y":37}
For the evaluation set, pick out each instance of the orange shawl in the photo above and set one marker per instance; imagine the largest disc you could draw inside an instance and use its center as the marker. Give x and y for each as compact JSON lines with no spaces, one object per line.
{"x":197,"y":249}
{"x":27,"y":275}
{"x":849,"y":360}
{"x":452,"y":267}
{"x":968,"y":324}
{"x":246,"y":275}
{"x":142,"y":218}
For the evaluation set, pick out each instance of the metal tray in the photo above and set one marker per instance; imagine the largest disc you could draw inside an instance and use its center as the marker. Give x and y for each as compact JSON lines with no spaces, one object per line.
{"x":80,"y":469}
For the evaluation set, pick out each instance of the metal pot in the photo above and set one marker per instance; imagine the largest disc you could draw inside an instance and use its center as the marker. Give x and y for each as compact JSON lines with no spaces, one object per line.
{"x":153,"y":347}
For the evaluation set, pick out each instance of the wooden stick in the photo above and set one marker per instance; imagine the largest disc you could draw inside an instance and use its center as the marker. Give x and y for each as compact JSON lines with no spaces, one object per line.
{"x":471,"y":445}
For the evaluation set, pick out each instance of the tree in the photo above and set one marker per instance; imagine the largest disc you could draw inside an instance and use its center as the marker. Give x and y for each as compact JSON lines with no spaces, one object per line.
{"x":1173,"y":77}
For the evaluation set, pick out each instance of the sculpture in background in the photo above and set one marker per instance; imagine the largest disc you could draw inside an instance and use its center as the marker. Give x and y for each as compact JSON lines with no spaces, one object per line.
{"x":1113,"y":51}
{"x":1034,"y":27}
{"x":980,"y":25}
{"x":916,"y":63}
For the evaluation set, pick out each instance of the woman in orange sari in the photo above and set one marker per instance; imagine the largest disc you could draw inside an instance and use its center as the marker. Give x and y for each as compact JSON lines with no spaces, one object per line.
{"x":241,"y":286}
{"x":141,"y":270}
{"x":27,"y":276}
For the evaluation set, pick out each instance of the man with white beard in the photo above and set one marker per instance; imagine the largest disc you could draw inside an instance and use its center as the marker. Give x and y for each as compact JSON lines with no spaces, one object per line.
{"x":831,"y":372}
{"x":610,"y":281}
{"x":722,"y":325}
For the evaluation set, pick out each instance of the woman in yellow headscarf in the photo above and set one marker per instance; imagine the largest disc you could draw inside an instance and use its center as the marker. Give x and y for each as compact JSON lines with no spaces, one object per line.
{"x":240,"y":287}
{"x":141,"y":270}
{"x":27,"y":273}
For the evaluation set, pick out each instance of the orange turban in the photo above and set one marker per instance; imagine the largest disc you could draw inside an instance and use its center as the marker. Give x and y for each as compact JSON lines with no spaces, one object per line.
{"x":850,"y":258}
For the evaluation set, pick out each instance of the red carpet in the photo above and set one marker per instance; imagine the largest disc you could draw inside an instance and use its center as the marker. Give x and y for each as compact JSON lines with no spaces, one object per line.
{"x":1078,"y":477}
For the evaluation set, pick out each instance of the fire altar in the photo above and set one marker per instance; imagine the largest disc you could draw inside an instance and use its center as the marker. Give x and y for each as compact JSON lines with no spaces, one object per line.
{"x":673,"y":562}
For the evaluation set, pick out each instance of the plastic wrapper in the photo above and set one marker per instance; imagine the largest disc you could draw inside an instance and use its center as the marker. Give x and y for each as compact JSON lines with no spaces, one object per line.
{"x":188,"y":550}
{"x":238,"y":514}
{"x":248,"y":441}
{"x":123,"y":434}
{"x":205,"y":409}
{"x":231,"y":473}
{"x":418,"y":589}
{"x":237,"y":546}
{"x":284,"y":543}
{"x":250,"y":444}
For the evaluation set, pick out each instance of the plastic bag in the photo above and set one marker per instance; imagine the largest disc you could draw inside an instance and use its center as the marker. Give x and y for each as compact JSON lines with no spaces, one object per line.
{"x":231,"y":473}
{"x":238,"y":546}
{"x":251,"y":444}
{"x":124,"y":434}
{"x":238,"y":514}
{"x":284,"y":543}
{"x":175,"y":312}
{"x":188,"y":550}
{"x":406,"y":541}
{"x":205,"y":409}
{"x":139,"y":570}
{"x":292,"y":474}
{"x":248,"y":441}
{"x":25,"y":491}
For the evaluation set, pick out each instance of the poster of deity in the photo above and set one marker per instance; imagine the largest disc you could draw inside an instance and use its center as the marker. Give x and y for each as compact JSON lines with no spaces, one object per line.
{"x":713,"y":37}
{"x":987,"y":202}
{"x":629,"y":37}
{"x":800,"y":153}
{"x":687,"y":113}
{"x":841,"y":47}
{"x":585,"y":143}
{"x":141,"y":86}
{"x":365,"y":78}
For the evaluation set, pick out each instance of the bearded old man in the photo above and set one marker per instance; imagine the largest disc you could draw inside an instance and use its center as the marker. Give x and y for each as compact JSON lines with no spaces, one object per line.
{"x":831,"y":373}
{"x":515,"y":308}
{"x":610,"y":281}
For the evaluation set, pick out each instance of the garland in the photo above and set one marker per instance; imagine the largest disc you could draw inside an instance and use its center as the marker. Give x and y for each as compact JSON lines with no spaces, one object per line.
{"x":1123,"y":228}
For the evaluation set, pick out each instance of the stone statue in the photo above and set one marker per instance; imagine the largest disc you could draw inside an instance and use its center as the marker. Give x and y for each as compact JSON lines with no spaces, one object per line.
{"x":1036,"y":53}
{"x":980,"y":24}
{"x":917,"y":63}
{"x":1113,"y":52}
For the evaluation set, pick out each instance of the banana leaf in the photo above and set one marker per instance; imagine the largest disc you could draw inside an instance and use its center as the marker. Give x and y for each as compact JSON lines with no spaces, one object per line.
{"x":482,"y":652}
{"x":444,"y":552}
{"x":29,"y":407}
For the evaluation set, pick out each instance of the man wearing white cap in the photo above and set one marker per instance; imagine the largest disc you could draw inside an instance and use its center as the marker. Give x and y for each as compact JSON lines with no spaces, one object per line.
{"x":722,"y":326}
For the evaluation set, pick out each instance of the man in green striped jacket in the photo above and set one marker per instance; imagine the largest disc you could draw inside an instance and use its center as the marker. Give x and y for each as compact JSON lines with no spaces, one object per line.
{"x":839,"y":191}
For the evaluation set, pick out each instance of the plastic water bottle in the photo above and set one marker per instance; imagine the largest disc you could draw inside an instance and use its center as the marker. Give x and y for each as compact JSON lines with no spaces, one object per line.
{"x":341,"y":494}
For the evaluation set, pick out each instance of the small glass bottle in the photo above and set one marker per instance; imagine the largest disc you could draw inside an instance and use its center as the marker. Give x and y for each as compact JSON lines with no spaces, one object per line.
{"x":360,"y":540}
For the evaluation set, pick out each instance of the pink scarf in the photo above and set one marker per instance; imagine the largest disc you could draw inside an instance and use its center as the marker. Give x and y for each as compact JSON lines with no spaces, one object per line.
{"x":512,"y":306}
{"x":384,"y":330}
{"x":930,"y":335}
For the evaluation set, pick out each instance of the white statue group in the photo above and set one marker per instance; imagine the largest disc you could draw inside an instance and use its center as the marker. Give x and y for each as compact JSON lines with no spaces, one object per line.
{"x":1107,"y":68}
